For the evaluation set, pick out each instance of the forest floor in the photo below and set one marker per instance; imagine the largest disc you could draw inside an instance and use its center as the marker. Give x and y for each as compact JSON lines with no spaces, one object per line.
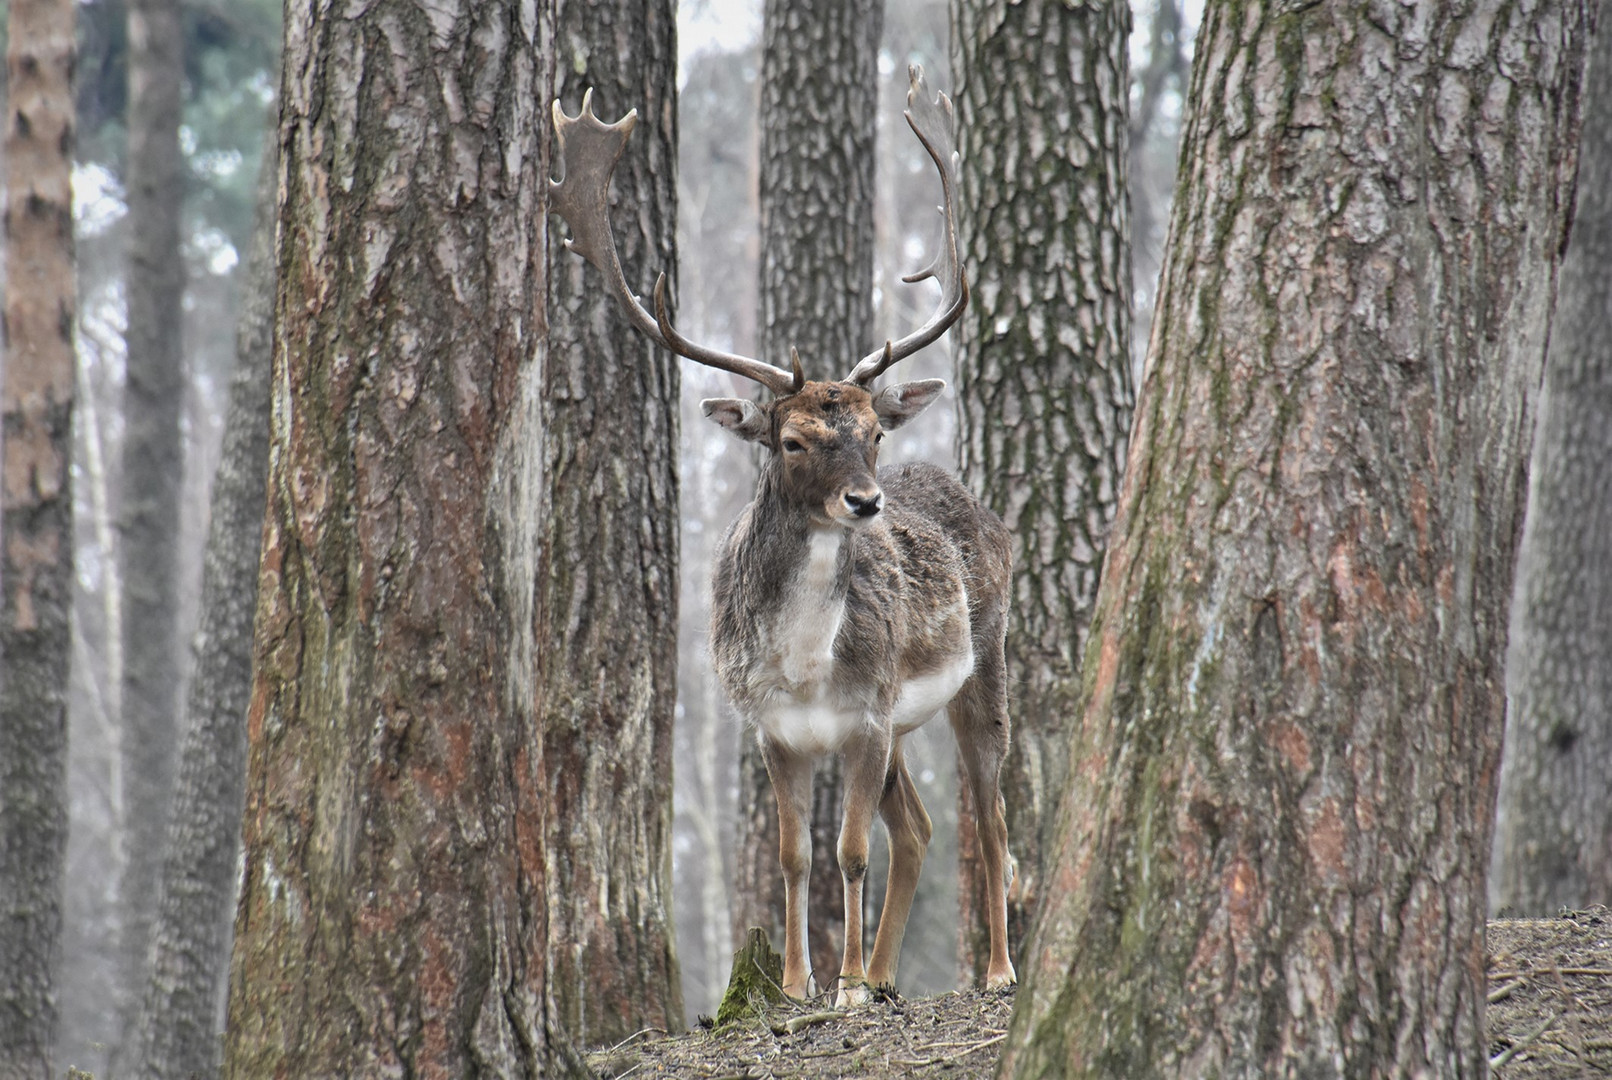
{"x":1550,"y":1016}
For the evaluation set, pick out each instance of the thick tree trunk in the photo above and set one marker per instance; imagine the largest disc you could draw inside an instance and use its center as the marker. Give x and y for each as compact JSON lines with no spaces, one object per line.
{"x":1272,"y":857}
{"x":1044,"y":370}
{"x":393,"y":916}
{"x":153,"y":466}
{"x":819,"y":112}
{"x":177,"y":1032}
{"x":607,"y":580}
{"x":36,"y":525}
{"x":1553,"y":846}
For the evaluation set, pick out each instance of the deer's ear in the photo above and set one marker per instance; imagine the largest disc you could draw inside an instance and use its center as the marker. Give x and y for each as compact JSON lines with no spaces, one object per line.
{"x":897,"y":404}
{"x":742,"y":417}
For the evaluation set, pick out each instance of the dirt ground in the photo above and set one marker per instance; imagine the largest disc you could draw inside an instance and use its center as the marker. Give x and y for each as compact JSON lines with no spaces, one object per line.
{"x":1550,"y":1015}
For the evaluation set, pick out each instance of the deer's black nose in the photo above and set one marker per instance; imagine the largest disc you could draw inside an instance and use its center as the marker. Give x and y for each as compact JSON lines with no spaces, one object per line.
{"x":864,"y":505}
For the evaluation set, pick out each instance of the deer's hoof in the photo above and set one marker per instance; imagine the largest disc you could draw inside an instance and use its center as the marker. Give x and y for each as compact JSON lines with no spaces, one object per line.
{"x":852,"y":994}
{"x":1001,"y":980}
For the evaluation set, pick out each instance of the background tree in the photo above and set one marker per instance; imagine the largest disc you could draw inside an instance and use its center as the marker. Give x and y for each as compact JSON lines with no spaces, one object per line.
{"x":1044,"y":368}
{"x":36,"y":524}
{"x":178,"y":1022}
{"x":607,"y":637}
{"x":1272,"y":856}
{"x":818,"y":117}
{"x":393,"y":913}
{"x":153,"y":466}
{"x":1553,"y":842}
{"x":230,"y":56}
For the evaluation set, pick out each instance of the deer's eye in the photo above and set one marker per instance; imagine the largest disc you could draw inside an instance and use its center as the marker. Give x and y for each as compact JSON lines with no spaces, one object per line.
{"x":878,"y":438}
{"x":792,"y":447}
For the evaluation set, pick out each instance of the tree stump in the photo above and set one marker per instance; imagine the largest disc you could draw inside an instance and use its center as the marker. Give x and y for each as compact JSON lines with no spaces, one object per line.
{"x":755,"y":982}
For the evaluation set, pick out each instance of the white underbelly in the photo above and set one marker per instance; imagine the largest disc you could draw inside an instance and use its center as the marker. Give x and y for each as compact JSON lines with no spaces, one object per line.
{"x":921,"y":698}
{"x":819,"y":724}
{"x":818,"y":727}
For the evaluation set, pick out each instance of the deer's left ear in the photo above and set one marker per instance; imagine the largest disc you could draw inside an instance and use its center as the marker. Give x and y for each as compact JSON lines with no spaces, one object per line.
{"x":897,"y":404}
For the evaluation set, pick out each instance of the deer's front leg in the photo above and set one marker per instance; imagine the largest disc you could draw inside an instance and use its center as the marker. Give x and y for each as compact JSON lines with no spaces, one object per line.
{"x":791,"y":776}
{"x":866,"y":761}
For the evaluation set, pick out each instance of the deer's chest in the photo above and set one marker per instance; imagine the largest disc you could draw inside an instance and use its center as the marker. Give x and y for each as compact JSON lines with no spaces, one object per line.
{"x":804,"y":702}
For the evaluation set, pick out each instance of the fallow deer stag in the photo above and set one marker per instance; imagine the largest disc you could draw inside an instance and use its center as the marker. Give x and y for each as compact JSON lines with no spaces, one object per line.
{"x":849,"y":606}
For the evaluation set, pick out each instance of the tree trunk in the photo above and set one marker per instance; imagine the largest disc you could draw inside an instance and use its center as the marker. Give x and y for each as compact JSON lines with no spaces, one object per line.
{"x":393,"y":916}
{"x":1271,"y":859}
{"x":819,"y":112}
{"x":1044,"y":371}
{"x":177,"y":1031}
{"x":153,"y":466}
{"x":36,"y":525}
{"x":1554,"y":837}
{"x":607,"y":580}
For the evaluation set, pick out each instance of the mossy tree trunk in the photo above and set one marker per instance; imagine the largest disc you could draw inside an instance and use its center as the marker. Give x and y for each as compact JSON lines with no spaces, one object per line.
{"x":153,"y":469}
{"x":1044,"y":370}
{"x":1553,"y":845}
{"x":1272,"y":856}
{"x":36,"y":524}
{"x":393,"y":916}
{"x":607,"y":580}
{"x":819,"y":111}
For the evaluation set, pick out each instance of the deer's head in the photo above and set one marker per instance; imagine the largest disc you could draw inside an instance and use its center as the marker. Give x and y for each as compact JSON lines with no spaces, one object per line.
{"x":825,"y":435}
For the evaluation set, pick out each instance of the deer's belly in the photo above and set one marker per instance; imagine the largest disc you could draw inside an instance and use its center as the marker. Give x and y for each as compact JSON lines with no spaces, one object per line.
{"x":815,"y":727}
{"x":924,"y":695}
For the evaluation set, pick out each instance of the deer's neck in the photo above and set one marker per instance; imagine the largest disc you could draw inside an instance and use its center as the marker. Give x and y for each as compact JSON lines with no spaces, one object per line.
{"x":797,"y":575}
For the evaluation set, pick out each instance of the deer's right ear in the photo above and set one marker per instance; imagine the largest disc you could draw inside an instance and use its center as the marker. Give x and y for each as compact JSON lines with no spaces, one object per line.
{"x":742,"y":417}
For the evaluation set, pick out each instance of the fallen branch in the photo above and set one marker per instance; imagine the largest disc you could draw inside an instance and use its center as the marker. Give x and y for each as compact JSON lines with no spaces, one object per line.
{"x":1500,"y":993}
{"x":969,"y":1049}
{"x":799,"y":1023}
{"x":1505,"y":1056}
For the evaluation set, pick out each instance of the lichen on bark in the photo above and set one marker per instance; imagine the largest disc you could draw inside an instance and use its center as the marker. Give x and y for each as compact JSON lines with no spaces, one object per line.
{"x":1271,"y":857}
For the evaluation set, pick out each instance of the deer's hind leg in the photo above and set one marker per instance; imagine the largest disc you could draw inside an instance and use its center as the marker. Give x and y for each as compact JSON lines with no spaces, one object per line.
{"x":909,"y":827}
{"x":979,"y":719}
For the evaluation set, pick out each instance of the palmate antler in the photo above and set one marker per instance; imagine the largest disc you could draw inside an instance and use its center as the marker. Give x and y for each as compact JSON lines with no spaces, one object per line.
{"x":589,"y":149}
{"x":931,"y":121}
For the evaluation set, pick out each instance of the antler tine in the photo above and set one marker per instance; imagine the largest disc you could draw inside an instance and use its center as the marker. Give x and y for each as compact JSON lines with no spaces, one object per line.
{"x":931,"y":120}
{"x":589,"y":150}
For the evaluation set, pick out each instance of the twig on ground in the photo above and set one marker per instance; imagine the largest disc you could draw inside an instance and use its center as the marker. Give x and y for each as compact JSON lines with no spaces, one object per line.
{"x":1500,"y":993}
{"x":1505,"y":1056}
{"x":941,"y":1060}
{"x":1534,"y":972}
{"x":634,"y":1035}
{"x":796,"y":1023}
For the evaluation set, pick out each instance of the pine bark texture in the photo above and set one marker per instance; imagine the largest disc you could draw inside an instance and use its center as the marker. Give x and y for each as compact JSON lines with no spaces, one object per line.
{"x":393,"y":916}
{"x":177,"y":1033}
{"x":818,"y":116}
{"x":1553,"y":846}
{"x":1044,"y":371}
{"x":36,"y":524}
{"x":1272,"y":857}
{"x":153,"y":468}
{"x":607,"y":581}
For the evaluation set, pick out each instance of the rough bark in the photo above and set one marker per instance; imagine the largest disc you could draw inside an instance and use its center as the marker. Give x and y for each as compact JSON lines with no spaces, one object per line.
{"x":1553,"y":845}
{"x":153,"y":466}
{"x":36,"y":525}
{"x":393,"y":915}
{"x":177,"y":1032}
{"x":607,"y":580}
{"x":1044,"y":370}
{"x":819,"y":108}
{"x":1271,"y":860}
